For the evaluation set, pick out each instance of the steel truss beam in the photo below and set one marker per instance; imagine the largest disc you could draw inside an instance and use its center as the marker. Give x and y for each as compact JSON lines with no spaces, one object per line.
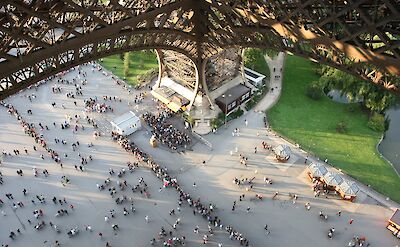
{"x":40,"y":38}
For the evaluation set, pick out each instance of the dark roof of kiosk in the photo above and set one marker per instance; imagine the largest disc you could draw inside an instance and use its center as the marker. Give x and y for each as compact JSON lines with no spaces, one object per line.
{"x":235,"y":92}
{"x":396,"y":217}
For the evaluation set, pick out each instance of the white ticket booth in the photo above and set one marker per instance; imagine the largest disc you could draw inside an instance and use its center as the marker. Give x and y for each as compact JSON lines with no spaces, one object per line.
{"x":126,"y":124}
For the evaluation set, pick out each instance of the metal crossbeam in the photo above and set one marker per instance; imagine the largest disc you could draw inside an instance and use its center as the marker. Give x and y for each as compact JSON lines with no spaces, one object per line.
{"x":361,"y":37}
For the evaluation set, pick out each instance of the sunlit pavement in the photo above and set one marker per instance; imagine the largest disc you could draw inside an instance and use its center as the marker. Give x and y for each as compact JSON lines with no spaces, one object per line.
{"x":289,"y":224}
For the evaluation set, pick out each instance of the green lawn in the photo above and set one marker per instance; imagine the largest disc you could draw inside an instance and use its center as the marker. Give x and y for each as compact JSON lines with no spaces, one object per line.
{"x":261,"y":67}
{"x":312,"y":124}
{"x":116,"y":65}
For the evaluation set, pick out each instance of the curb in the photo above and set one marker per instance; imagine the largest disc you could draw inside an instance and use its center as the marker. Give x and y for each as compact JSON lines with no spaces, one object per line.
{"x":383,"y":157}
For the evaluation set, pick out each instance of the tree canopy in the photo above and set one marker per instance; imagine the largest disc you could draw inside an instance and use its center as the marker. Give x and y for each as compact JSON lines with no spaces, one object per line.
{"x":374,"y":97}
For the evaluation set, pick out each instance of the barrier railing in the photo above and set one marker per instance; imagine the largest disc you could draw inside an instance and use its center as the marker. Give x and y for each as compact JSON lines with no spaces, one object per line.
{"x":203,"y":140}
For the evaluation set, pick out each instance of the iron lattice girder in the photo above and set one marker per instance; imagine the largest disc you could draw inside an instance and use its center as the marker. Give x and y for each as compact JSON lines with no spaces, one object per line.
{"x":38,"y":38}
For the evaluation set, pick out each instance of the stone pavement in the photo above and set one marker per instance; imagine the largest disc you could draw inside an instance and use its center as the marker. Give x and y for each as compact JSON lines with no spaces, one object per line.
{"x":290,"y":224}
{"x":90,"y":204}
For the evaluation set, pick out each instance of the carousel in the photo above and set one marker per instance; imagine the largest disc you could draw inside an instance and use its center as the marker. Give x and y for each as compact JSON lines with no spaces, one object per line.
{"x":282,"y":153}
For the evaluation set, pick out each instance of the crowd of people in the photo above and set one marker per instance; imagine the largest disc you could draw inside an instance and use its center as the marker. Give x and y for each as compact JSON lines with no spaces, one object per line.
{"x":36,"y":132}
{"x":206,"y":211}
{"x":164,"y":132}
{"x":37,"y":221}
{"x":92,"y":105}
{"x":29,"y":129}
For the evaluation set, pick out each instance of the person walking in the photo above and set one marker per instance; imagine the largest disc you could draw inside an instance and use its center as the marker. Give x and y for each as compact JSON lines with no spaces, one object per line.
{"x":266,"y":229}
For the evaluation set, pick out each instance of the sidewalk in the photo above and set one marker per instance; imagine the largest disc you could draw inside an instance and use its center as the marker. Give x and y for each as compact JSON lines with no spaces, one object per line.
{"x":275,"y":84}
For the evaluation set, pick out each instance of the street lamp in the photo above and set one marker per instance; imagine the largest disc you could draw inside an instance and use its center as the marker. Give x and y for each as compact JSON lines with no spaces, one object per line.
{"x":226,"y":106}
{"x":223,"y":96}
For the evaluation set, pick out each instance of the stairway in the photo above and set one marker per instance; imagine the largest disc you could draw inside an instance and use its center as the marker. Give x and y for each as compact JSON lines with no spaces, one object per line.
{"x":202,"y":128}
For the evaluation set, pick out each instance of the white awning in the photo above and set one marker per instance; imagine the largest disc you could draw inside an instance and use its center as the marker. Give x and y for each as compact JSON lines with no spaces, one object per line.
{"x":253,"y":76}
{"x":178,"y":88}
{"x":349,"y":188}
{"x":333,"y":179}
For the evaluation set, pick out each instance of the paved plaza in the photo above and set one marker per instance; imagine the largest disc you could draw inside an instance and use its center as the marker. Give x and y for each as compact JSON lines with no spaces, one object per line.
{"x":289,"y":222}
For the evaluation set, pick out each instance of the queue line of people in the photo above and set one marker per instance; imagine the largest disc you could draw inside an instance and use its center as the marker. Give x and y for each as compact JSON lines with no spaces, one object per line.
{"x":164,"y":132}
{"x":206,"y":211}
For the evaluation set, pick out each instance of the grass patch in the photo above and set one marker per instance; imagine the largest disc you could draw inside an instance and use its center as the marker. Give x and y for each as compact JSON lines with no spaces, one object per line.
{"x":313,"y":124}
{"x":116,"y":65}
{"x":259,"y":64}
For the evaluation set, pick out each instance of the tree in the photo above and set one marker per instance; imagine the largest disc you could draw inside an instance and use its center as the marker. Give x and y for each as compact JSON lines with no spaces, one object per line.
{"x":251,"y":56}
{"x":271,"y":53}
{"x":127,"y":63}
{"x":314,"y":90}
{"x":377,"y":122}
{"x":375,"y":98}
{"x":341,"y":127}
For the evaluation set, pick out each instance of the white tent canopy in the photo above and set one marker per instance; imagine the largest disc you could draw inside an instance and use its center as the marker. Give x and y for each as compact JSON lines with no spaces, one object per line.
{"x":317,"y":170}
{"x":349,"y":188}
{"x":126,"y":124}
{"x":333,"y":179}
{"x":178,"y":88}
